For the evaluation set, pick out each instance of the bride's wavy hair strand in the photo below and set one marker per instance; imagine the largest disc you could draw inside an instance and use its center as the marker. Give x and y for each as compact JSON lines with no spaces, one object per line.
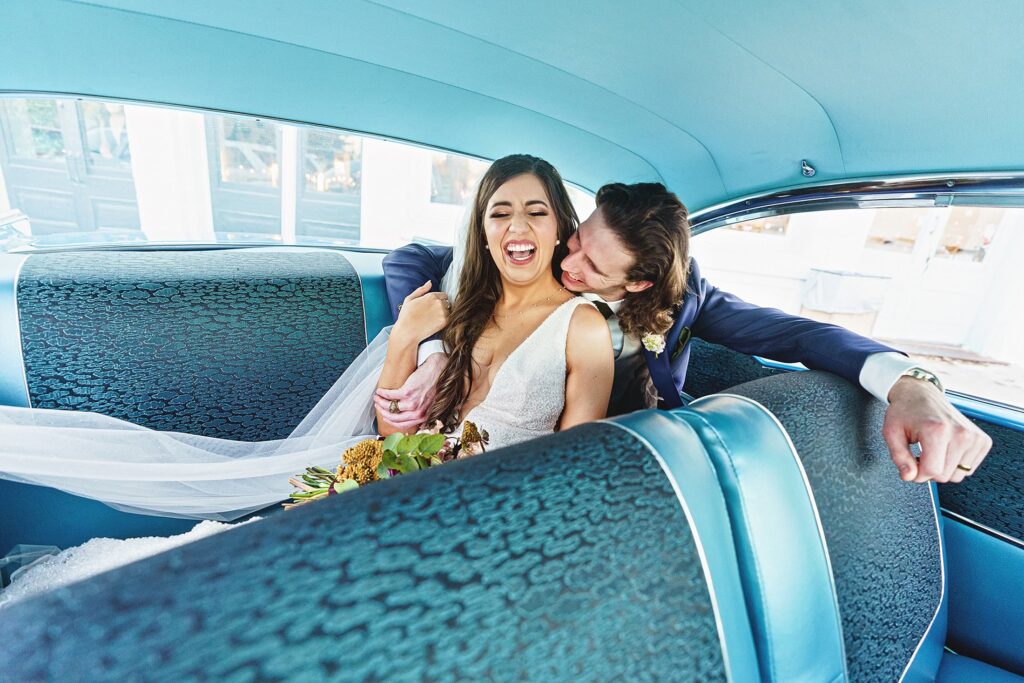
{"x":480,"y":281}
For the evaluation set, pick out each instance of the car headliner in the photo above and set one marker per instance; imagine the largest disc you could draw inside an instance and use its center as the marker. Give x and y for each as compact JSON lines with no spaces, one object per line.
{"x":716,"y":99}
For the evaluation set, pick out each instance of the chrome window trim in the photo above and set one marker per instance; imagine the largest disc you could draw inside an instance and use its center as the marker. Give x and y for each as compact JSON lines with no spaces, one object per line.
{"x":13,"y":381}
{"x":814,"y":508}
{"x":928,"y":190}
{"x":978,"y":526}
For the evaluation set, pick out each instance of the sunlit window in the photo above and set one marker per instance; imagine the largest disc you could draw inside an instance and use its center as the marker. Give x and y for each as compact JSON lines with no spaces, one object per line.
{"x":77,"y":171}
{"x":776,"y":225}
{"x":454,"y":178}
{"x":940,"y":284}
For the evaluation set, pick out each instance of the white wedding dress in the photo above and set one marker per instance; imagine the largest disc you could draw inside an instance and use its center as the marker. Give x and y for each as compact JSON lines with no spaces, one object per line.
{"x":175,"y":474}
{"x":527,"y":395}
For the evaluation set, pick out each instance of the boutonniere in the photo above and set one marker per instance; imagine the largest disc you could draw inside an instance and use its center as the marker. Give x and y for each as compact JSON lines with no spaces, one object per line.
{"x":655,"y":343}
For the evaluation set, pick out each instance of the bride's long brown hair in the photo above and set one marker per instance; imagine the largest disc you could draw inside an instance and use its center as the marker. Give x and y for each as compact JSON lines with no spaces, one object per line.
{"x":480,"y":281}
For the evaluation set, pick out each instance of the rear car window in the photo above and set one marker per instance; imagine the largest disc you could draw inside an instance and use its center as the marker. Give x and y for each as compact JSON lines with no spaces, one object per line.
{"x":83,"y":172}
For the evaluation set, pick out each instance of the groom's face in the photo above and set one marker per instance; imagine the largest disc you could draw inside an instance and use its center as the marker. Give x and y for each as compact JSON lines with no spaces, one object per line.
{"x":598,"y":262}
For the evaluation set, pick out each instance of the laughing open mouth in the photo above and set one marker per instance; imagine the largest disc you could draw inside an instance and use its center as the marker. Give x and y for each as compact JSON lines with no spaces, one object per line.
{"x":520,"y":251}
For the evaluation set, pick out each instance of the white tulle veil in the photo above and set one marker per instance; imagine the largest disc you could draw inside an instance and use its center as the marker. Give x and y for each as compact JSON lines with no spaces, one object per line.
{"x":173,"y":474}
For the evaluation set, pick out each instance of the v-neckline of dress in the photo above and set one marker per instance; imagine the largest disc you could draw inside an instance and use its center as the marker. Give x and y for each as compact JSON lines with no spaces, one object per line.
{"x":514,"y":351}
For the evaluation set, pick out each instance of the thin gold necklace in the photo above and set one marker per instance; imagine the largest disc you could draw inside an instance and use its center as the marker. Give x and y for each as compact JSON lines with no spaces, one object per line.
{"x":530,"y":307}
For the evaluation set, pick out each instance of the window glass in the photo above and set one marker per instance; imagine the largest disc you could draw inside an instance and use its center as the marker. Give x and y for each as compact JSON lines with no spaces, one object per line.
{"x":76,"y":171}
{"x":248,"y":150}
{"x":940,"y":284}
{"x":776,"y":225}
{"x":35,"y":129}
{"x":453,"y":178}
{"x":332,"y":161}
{"x":106,"y":131}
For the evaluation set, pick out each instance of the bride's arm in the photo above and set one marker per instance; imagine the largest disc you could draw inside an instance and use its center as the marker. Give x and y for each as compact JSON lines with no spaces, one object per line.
{"x":422,"y":314}
{"x":590,"y":368}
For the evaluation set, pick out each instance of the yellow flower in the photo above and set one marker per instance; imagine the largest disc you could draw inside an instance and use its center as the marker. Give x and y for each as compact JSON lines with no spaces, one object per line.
{"x":361,"y":461}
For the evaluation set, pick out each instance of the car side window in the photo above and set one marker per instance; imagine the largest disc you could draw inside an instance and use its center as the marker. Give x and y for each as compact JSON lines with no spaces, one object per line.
{"x":79,"y":171}
{"x":940,"y":284}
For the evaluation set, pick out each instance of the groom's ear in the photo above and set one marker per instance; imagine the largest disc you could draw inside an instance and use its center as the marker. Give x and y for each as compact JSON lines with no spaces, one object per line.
{"x":638,"y":286}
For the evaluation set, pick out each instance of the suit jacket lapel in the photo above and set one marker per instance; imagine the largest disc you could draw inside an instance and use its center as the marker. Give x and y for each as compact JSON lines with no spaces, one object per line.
{"x":660,"y":365}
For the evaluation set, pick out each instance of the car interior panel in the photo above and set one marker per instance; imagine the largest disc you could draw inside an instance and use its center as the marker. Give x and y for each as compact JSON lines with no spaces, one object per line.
{"x":197,"y":204}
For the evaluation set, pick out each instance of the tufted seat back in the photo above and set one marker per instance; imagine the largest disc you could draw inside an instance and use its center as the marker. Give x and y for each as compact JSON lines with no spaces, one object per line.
{"x":230,"y":344}
{"x":882,"y":534}
{"x":578,"y":556}
{"x":235,"y":343}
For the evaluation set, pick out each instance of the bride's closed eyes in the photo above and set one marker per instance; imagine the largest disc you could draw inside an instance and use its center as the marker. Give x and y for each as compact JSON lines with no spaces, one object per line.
{"x":504,"y":209}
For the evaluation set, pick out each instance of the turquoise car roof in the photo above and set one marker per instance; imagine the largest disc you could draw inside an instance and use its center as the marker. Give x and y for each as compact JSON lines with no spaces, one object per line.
{"x":716,"y":99}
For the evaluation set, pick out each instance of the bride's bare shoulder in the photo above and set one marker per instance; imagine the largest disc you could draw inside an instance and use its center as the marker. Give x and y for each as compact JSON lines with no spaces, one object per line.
{"x":588,"y":331}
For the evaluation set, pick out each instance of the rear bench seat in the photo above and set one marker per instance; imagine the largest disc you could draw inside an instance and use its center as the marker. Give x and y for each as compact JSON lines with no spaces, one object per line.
{"x":600,"y":553}
{"x":236,"y":344}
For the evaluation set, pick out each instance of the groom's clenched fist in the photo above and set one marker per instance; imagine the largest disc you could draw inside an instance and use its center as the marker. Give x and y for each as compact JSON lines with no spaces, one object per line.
{"x":952,"y":447}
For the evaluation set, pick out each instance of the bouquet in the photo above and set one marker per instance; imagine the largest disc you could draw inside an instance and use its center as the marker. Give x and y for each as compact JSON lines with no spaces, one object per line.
{"x":375,"y":459}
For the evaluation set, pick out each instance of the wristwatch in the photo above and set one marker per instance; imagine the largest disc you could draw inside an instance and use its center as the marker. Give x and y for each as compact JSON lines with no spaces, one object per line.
{"x":922,"y":374}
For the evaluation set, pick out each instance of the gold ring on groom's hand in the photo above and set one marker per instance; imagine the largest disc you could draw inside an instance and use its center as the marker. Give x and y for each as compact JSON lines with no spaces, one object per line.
{"x":393,"y":408}
{"x":965,"y":469}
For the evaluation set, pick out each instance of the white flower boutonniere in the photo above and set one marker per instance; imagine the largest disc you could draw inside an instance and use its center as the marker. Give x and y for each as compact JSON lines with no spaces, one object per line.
{"x":655,"y":343}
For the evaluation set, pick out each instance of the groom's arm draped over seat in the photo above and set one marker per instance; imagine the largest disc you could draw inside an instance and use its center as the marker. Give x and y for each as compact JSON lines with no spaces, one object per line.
{"x":723,"y":318}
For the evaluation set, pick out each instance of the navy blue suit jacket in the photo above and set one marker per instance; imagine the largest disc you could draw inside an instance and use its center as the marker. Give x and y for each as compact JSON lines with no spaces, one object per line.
{"x":706,"y":312}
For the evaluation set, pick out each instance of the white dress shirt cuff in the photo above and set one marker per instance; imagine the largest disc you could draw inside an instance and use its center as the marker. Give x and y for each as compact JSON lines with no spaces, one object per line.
{"x":432,"y":346}
{"x":882,"y":370}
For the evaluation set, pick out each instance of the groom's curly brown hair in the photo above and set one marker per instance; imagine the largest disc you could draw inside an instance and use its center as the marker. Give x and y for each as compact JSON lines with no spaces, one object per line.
{"x":653,"y":225}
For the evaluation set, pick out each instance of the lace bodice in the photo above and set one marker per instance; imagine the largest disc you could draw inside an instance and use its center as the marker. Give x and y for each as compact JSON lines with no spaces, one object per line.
{"x":528,"y":393}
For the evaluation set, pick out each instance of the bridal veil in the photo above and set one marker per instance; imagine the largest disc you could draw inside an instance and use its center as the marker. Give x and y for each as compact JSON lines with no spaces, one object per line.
{"x":174,"y":474}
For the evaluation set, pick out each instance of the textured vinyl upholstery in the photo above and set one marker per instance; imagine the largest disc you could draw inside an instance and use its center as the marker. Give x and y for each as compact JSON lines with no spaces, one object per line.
{"x":236,"y":343}
{"x":994,"y":495}
{"x":572,"y":557}
{"x":882,"y":534}
{"x":714,"y":368}
{"x":229,"y":344}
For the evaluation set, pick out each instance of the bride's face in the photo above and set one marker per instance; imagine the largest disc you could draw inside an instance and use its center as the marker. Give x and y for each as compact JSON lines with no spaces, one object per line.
{"x":521,"y":229}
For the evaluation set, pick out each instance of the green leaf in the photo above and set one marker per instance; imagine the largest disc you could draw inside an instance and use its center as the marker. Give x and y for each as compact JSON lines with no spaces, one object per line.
{"x":407,"y":463}
{"x":409,"y":443}
{"x":391,"y":442}
{"x":389,"y":460}
{"x":346,"y":485}
{"x":382,"y":471}
{"x":432,"y":443}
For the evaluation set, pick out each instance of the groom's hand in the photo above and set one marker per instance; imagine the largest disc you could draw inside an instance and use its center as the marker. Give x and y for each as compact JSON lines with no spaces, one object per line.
{"x":952,"y":447}
{"x":414,"y":398}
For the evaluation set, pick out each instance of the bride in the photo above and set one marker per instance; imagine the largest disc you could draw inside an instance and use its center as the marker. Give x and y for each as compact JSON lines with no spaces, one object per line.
{"x":525,"y":358}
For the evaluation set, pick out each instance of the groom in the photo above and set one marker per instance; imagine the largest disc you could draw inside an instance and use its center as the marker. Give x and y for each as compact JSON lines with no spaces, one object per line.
{"x":631,"y":257}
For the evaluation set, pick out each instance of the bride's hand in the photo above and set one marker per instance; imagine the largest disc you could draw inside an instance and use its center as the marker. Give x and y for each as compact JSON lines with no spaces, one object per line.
{"x":422,"y":314}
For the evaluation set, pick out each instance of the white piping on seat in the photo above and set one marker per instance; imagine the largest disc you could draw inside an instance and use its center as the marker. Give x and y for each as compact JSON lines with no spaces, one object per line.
{"x":814,"y":509}
{"x":696,"y":539}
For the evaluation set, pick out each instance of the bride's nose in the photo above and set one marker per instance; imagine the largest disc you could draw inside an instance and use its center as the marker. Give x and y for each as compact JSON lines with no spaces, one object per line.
{"x":519,"y":224}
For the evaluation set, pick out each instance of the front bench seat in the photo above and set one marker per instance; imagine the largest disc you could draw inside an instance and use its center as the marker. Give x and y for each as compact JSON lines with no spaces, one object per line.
{"x":883,"y":535}
{"x":578,"y":556}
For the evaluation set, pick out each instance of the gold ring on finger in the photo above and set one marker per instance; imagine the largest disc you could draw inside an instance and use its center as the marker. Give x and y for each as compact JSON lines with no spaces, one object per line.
{"x":965,"y":469}
{"x":393,"y":407}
